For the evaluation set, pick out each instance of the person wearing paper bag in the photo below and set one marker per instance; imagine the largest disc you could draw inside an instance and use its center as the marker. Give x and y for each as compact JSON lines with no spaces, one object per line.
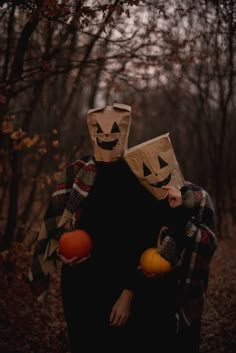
{"x":181,"y":218}
{"x":95,"y":193}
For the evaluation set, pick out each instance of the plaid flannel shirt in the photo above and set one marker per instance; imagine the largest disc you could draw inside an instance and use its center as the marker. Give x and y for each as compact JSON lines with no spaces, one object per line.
{"x":73,"y":186}
{"x":193,"y":261}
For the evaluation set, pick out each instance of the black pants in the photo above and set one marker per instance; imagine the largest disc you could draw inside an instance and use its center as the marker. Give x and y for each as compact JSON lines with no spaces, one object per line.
{"x":188,"y":339}
{"x":154,"y":315}
{"x":87,"y":304}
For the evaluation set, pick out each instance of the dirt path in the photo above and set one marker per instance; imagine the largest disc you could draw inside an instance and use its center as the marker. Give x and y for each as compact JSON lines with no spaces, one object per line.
{"x":219,"y":320}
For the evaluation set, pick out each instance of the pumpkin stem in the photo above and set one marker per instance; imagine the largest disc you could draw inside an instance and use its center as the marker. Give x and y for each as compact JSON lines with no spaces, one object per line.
{"x":161,"y":235}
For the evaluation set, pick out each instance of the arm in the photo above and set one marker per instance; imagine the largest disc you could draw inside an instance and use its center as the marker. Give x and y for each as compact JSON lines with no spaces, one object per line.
{"x":199,"y":243}
{"x":192,"y":208}
{"x":73,"y":186}
{"x":44,"y":257}
{"x":121,"y":309}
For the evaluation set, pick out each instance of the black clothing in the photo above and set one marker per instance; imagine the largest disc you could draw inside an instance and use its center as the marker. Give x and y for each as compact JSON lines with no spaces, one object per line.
{"x":90,"y":289}
{"x":123,"y":219}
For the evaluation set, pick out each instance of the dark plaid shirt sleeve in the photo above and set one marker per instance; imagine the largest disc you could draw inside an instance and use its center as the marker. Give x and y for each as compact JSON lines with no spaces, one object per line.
{"x":73,"y":185}
{"x":190,"y":250}
{"x":200,"y":245}
{"x":49,"y":234}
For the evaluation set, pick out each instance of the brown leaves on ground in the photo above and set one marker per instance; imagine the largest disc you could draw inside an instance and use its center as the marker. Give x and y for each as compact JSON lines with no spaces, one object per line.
{"x":219,"y":319}
{"x":27,"y":326}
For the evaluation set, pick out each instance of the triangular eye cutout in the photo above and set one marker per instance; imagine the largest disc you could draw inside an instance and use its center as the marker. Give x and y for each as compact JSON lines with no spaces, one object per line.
{"x":115,"y":128}
{"x":162,"y":162}
{"x":99,"y":130}
{"x":146,"y":170}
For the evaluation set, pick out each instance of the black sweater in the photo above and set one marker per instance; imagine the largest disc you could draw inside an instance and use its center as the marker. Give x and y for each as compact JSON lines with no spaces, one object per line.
{"x":108,"y":214}
{"x":123,"y":219}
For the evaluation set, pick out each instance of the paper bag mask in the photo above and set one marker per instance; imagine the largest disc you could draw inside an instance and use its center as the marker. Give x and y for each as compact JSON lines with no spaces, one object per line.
{"x":155,"y":165}
{"x":109,"y":129}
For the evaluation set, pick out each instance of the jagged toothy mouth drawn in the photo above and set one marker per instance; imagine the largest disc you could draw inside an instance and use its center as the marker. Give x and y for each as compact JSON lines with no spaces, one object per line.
{"x":164,"y":182}
{"x":107,"y":145}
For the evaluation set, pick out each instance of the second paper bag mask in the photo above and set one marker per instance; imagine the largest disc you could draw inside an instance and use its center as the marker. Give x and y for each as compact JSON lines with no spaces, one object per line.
{"x":155,"y":165}
{"x":109,"y":129}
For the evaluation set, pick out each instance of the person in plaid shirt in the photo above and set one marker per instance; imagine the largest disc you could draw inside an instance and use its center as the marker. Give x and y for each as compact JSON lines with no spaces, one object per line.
{"x":179,"y":218}
{"x":96,"y":193}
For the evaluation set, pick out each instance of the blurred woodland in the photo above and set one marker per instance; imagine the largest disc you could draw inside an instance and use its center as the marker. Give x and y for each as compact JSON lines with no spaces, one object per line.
{"x":173,"y":61}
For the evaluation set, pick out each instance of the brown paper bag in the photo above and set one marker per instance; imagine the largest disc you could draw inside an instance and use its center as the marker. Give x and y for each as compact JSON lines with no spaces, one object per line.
{"x":155,"y":165}
{"x":109,"y":128}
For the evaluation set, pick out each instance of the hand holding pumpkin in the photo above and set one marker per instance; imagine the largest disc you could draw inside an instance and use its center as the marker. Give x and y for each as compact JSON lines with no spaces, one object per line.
{"x":74,"y":247}
{"x":73,"y":260}
{"x":151,"y":275}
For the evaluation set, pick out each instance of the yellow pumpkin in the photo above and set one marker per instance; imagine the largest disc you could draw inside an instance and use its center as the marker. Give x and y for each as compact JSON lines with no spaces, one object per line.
{"x":152,"y":262}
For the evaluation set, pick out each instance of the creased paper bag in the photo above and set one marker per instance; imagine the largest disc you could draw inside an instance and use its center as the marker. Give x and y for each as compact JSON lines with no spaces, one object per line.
{"x":155,"y":165}
{"x":109,"y":128}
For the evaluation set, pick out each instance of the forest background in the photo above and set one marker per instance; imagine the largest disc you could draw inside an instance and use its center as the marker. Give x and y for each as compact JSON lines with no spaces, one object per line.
{"x":174,"y":63}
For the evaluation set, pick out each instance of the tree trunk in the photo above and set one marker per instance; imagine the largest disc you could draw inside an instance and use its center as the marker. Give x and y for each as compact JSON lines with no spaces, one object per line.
{"x":8,"y":235}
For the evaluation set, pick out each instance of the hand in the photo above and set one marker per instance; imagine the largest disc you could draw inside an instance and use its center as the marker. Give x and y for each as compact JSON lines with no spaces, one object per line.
{"x":174,"y":196}
{"x":73,"y":260}
{"x":121,"y":309}
{"x":151,"y":275}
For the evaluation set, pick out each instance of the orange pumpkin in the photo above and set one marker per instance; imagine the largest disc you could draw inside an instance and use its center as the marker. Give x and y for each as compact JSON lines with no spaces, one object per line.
{"x":77,"y":243}
{"x":152,"y":262}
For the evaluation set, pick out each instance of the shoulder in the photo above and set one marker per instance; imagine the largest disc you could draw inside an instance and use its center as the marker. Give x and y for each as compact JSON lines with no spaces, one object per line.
{"x":188,"y":185}
{"x":72,"y":169}
{"x":195,"y":195}
{"x":84,"y":162}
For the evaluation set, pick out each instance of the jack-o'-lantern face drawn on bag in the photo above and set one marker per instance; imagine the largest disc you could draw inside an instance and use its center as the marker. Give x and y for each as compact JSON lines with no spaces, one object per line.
{"x":155,"y":164}
{"x":109,"y":129}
